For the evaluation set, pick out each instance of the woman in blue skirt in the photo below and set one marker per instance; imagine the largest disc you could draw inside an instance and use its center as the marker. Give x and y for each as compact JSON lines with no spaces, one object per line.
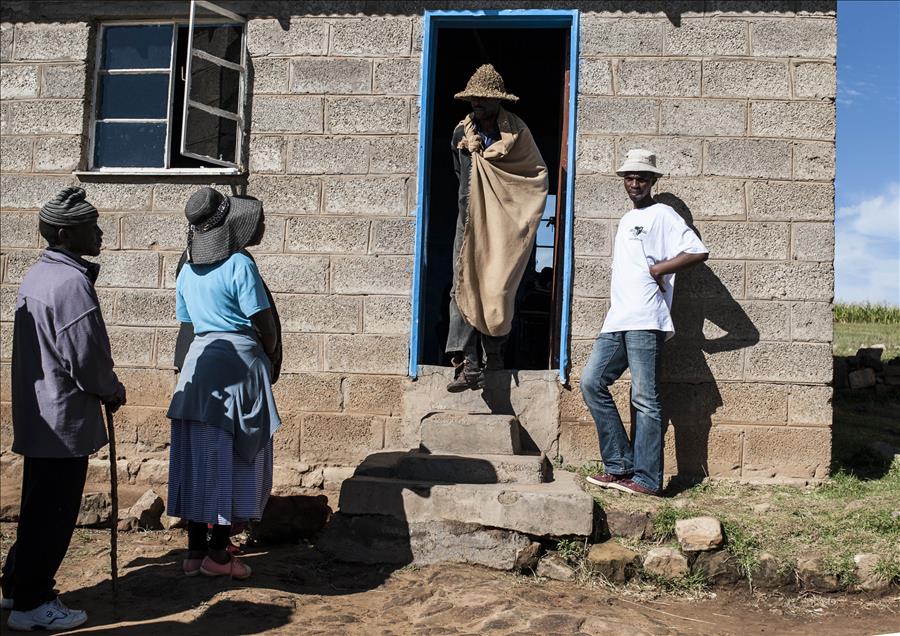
{"x":223,"y":411}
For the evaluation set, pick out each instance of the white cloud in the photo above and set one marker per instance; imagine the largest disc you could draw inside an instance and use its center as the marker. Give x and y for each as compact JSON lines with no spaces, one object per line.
{"x":867,"y":249}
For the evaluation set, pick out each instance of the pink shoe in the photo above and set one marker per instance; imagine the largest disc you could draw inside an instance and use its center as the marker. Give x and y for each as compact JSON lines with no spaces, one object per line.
{"x":235,"y":568}
{"x":191,"y":567}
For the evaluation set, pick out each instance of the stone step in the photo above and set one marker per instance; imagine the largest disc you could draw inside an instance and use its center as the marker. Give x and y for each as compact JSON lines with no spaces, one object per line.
{"x":456,"y":433}
{"x":456,"y":469}
{"x":557,"y":508}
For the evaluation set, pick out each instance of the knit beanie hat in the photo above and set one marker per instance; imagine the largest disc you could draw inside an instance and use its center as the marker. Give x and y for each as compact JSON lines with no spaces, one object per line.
{"x":68,"y":208}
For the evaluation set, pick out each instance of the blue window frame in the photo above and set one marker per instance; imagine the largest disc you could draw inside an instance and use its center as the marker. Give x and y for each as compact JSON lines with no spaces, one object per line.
{"x":513,"y":18}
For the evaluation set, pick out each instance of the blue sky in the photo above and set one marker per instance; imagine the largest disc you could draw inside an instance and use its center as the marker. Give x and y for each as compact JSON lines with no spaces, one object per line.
{"x":867,"y":186}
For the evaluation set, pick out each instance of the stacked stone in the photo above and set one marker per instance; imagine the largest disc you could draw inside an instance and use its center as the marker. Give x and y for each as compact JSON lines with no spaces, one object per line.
{"x":866,"y":371}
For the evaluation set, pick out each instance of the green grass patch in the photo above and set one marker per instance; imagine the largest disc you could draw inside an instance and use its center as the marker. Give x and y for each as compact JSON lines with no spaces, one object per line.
{"x":866,"y":313}
{"x":849,"y":337}
{"x":691,"y":583}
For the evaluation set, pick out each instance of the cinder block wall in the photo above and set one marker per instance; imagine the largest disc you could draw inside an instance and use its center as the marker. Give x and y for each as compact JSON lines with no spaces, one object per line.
{"x":736,"y":97}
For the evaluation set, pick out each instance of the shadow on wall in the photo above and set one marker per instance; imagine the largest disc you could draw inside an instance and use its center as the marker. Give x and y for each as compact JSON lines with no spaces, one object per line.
{"x":708,"y":320}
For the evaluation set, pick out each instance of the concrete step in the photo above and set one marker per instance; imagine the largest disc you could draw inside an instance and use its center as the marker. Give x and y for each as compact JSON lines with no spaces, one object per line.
{"x":456,"y":433}
{"x":557,"y":508}
{"x":456,"y":469}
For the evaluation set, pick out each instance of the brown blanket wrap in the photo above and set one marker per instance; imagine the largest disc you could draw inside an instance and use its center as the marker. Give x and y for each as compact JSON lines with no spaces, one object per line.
{"x":507,"y":192}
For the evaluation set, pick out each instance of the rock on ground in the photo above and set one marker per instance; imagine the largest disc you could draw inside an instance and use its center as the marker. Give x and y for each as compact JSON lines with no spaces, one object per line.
{"x":867,"y":578}
{"x":719,"y":567}
{"x":528,"y":557}
{"x":666,"y":562}
{"x":96,"y":508}
{"x":148,"y":510}
{"x":814,"y":575}
{"x":767,"y":574}
{"x":861,"y":378}
{"x":699,"y":533}
{"x":553,"y":566}
{"x":616,"y":562}
{"x":632,"y":524}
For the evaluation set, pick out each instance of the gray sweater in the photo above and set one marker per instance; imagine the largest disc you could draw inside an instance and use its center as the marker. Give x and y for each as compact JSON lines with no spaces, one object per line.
{"x":61,"y":360}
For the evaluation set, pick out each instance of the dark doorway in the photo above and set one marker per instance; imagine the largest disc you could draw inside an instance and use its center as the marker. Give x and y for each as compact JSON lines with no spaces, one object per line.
{"x":533,"y":63}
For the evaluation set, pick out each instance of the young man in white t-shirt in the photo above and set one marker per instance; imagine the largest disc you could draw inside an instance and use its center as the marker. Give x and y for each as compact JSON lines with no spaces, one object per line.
{"x":652,"y":243}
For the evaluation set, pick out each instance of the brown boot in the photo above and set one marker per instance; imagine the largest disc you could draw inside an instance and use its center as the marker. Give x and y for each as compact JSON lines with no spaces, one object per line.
{"x":466,"y":376}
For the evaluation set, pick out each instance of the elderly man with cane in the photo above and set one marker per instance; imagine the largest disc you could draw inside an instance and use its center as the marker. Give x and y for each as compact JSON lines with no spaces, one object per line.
{"x":62,"y":372}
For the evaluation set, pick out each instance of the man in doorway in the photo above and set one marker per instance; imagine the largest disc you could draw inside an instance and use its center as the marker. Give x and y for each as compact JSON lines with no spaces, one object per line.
{"x":502,"y":190}
{"x":62,"y":371}
{"x":652,"y":243}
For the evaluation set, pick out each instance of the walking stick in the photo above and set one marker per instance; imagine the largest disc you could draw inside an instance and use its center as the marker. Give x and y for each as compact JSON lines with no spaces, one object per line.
{"x":114,"y":496}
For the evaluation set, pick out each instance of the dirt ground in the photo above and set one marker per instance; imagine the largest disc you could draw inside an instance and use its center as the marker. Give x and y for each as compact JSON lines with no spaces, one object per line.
{"x":294,"y":590}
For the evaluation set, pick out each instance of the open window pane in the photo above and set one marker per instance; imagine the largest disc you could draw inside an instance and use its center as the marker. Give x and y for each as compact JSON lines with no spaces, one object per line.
{"x":142,"y":46}
{"x":134,"y":96}
{"x":210,"y":136}
{"x":223,"y":41}
{"x":127,"y":145}
{"x":215,"y":85}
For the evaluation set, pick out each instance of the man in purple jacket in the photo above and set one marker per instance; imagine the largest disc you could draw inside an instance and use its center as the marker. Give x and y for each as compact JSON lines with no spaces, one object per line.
{"x":62,"y":371}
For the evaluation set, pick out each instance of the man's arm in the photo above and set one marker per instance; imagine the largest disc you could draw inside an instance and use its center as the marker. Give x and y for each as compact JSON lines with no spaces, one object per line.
{"x":674,"y":265}
{"x":84,"y":346}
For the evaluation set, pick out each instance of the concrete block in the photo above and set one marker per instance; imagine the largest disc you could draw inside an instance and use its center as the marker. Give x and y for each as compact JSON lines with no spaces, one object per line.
{"x":366,"y":115}
{"x":270,"y":75}
{"x":19,"y":81}
{"x":804,"y":120}
{"x":379,"y":394}
{"x":286,"y":442}
{"x":43,"y":117}
{"x":295,"y":273}
{"x":814,"y":161}
{"x":713,"y":279}
{"x":367,"y":354}
{"x":704,"y":198}
{"x":393,"y":236}
{"x":745,"y":78}
{"x":327,"y":155}
{"x":616,"y":115}
{"x":665,"y":77}
{"x":267,"y":154}
{"x":786,"y":453}
{"x":692,"y":450}
{"x":165,"y":348}
{"x":369,"y":36}
{"x":813,"y":241}
{"x":15,"y":154}
{"x":707,"y":117}
{"x":365,"y":195}
{"x":592,"y":237}
{"x":578,"y":443}
{"x":620,"y":36}
{"x":472,"y":469}
{"x":812,"y":322}
{"x":741,"y":403}
{"x":51,"y":41}
{"x":299,"y":37}
{"x":7,"y":30}
{"x":6,"y":117}
{"x":17,"y":265}
{"x":273,"y":239}
{"x":119,"y":196}
{"x":19,"y":229}
{"x":791,"y":201}
{"x":57,"y":154}
{"x":799,"y":362}
{"x":755,"y":158}
{"x":387,"y":314}
{"x":815,"y":80}
{"x":579,"y":352}
{"x":795,"y":281}
{"x":147,"y":387}
{"x":171,"y":197}
{"x":339,"y":438}
{"x":595,"y":77}
{"x":63,"y":81}
{"x":706,"y":37}
{"x":290,"y":195}
{"x":600,"y":197}
{"x":302,"y":352}
{"x":329,"y":76}
{"x":287,"y":113}
{"x":739,"y":240}
{"x":371,"y":274}
{"x":318,"y":313}
{"x":595,"y":154}
{"x":398,"y":76}
{"x":794,"y":38}
{"x":810,"y":405}
{"x":323,"y":235}
{"x":675,"y":157}
{"x":685,"y":361}
{"x":470,"y":433}
{"x":315,"y":392}
{"x":154,"y":231}
{"x":27,"y":192}
{"x":128,"y":269}
{"x":587,"y":316}
{"x":8,"y":302}
{"x":592,"y":277}
{"x":771,"y":319}
{"x":145,"y":308}
{"x":147,"y":426}
{"x":392,"y":155}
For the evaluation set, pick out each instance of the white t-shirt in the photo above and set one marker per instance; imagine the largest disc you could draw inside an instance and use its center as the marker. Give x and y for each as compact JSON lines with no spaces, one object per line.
{"x":645,"y":237}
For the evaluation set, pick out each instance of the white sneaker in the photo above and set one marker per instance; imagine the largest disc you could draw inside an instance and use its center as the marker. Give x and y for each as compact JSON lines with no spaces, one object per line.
{"x":51,"y":616}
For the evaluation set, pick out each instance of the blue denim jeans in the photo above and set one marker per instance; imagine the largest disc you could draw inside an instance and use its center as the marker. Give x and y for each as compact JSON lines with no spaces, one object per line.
{"x":614,"y":352}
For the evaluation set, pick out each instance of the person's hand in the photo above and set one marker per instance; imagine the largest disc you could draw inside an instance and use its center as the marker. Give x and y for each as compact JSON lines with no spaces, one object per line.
{"x":116,"y":400}
{"x":658,"y":277}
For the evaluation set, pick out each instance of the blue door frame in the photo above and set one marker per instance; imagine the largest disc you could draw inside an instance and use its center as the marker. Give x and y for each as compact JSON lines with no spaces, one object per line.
{"x":512,"y":18}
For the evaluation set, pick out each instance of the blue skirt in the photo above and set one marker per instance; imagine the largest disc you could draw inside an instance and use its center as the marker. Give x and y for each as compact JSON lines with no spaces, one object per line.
{"x":209,"y":482}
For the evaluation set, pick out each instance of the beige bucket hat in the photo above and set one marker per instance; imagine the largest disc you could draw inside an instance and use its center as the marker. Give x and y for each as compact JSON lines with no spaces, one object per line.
{"x":639,"y":160}
{"x":486,"y":82}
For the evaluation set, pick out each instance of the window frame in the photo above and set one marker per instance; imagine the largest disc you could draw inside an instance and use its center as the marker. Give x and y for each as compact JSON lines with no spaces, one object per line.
{"x":227,"y":169}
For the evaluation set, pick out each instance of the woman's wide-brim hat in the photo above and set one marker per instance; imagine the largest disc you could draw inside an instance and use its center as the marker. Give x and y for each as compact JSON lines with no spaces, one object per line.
{"x":486,"y":83}
{"x":220,"y":225}
{"x":639,"y":160}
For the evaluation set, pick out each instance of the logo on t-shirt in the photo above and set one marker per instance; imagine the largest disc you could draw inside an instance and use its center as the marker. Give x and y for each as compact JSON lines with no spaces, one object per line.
{"x":637,"y":230}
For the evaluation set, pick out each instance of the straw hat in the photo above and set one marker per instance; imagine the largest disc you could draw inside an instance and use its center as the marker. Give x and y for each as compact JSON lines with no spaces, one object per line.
{"x":639,"y":160}
{"x":220,"y":225}
{"x":486,"y":82}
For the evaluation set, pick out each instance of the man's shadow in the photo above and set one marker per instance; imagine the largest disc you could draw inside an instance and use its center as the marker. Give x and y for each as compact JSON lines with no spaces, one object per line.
{"x":708,"y":320}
